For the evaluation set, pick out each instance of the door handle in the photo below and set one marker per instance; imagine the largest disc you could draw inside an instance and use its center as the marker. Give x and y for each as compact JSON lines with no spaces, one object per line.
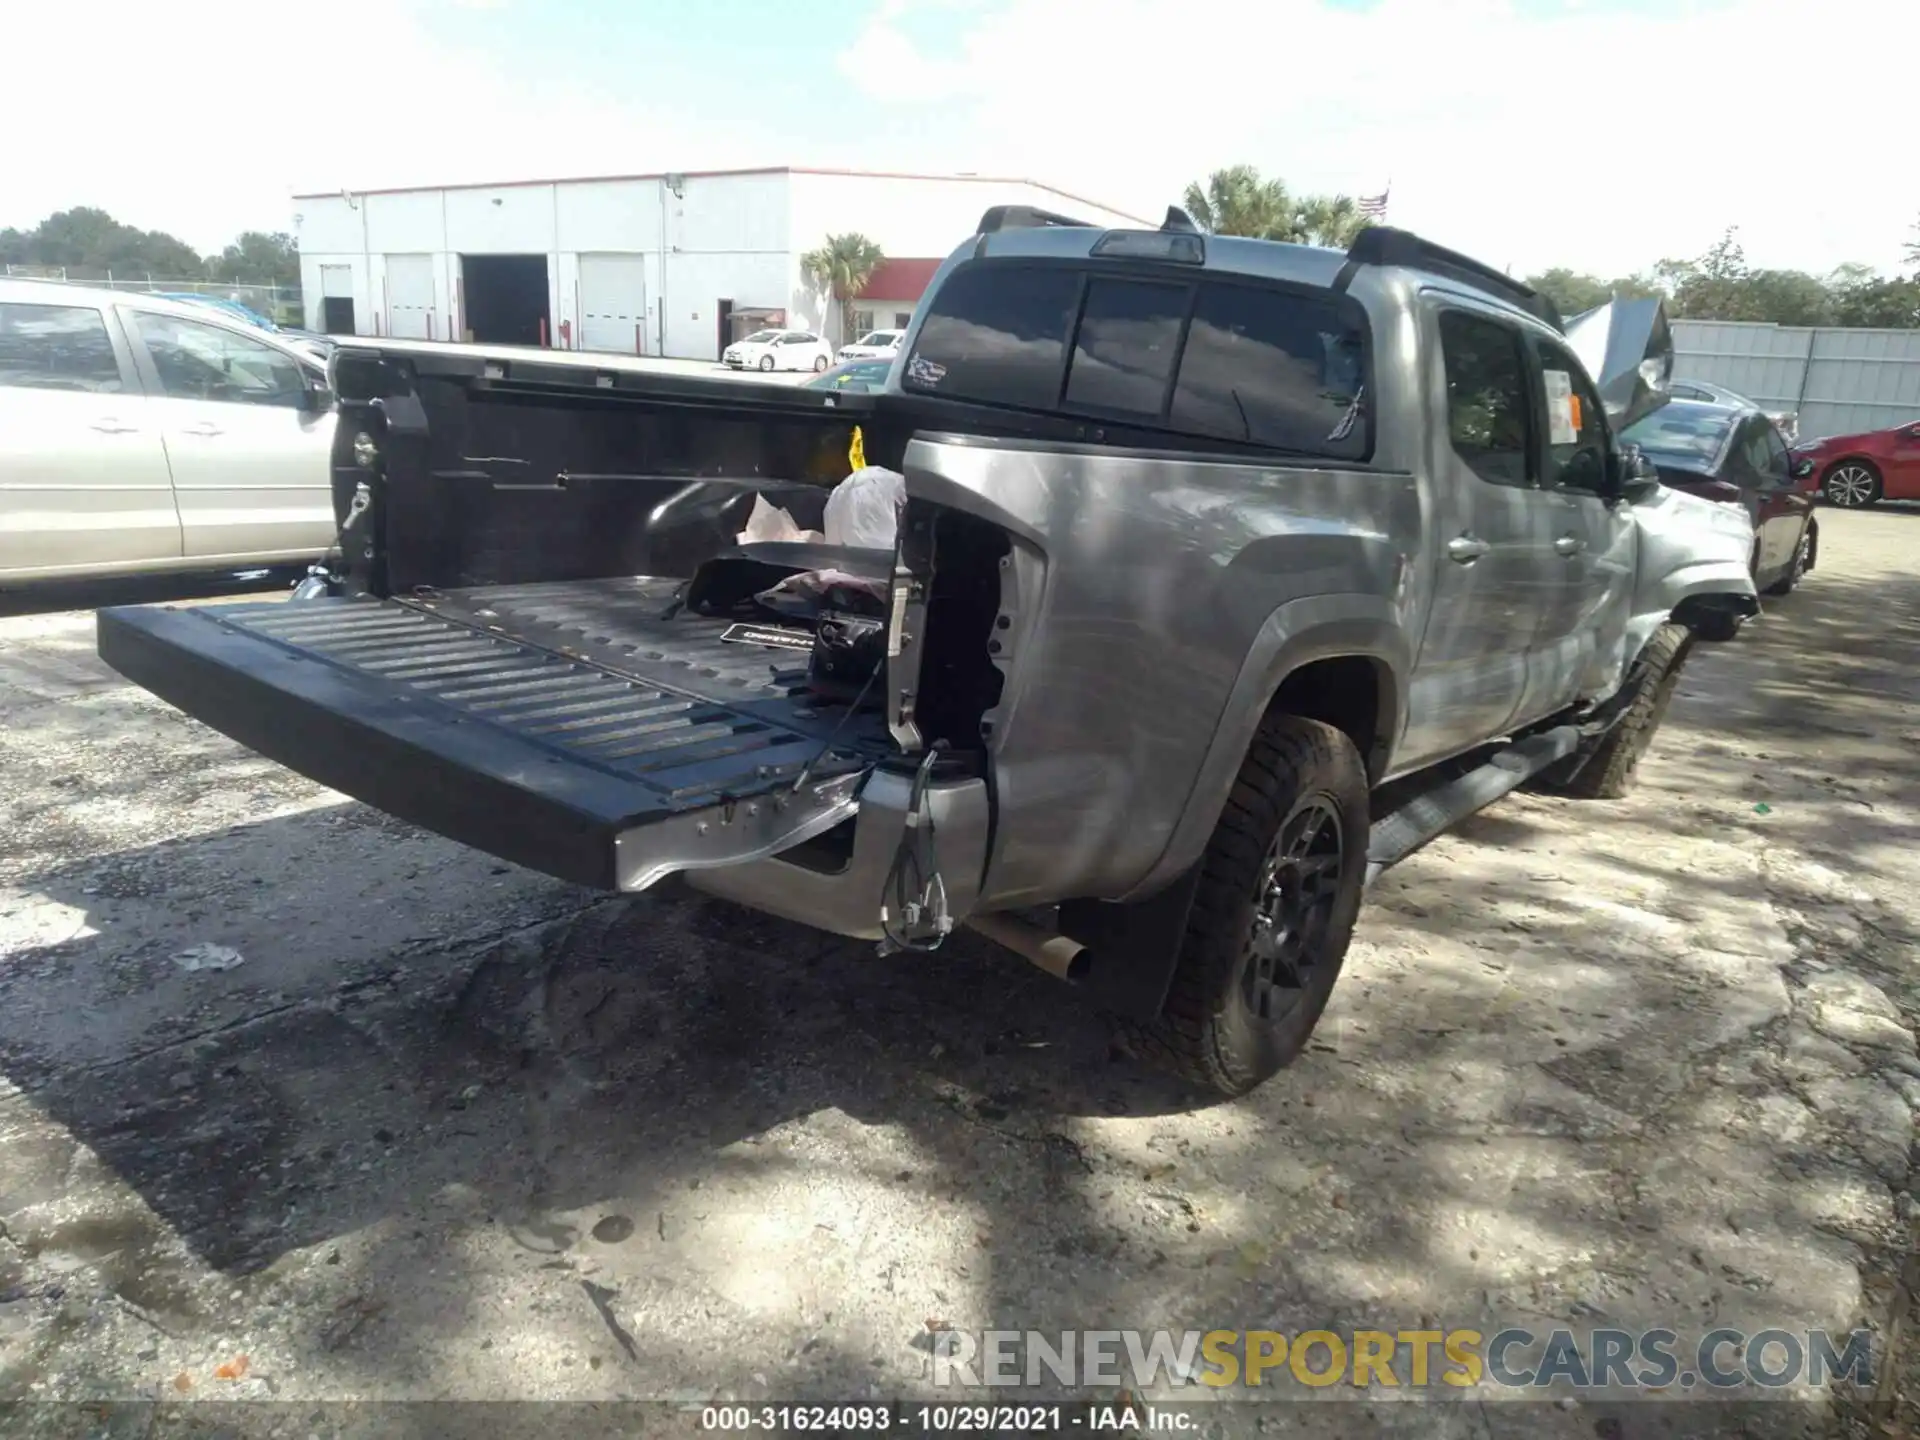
{"x":1569,"y":545}
{"x":205,"y":427}
{"x":111,"y":426}
{"x":1465,"y":549}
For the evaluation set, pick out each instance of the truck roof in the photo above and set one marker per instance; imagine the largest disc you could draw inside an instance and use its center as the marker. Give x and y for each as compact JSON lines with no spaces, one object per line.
{"x":1012,"y":231}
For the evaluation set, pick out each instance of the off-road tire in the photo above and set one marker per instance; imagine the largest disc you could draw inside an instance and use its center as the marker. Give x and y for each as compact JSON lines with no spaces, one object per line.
{"x":1607,"y":773}
{"x":1207,"y":1033}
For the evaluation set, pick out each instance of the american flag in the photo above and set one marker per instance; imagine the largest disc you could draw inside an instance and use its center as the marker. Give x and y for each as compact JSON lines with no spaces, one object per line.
{"x":1374,"y":207}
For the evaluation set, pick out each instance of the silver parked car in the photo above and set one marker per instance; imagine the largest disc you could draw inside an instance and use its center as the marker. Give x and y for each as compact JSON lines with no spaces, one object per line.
{"x":1787,"y":422}
{"x":139,"y":434}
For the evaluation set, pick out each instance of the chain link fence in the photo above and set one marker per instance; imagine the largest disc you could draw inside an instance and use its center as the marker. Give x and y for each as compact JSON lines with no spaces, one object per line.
{"x":279,"y":303}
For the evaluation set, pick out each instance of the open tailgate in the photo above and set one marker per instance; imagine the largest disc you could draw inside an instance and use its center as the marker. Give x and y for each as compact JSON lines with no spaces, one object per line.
{"x":606,"y":777}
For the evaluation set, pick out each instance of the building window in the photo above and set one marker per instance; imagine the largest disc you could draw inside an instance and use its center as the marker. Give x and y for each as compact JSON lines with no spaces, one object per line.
{"x":862,"y":321}
{"x":902,"y":319}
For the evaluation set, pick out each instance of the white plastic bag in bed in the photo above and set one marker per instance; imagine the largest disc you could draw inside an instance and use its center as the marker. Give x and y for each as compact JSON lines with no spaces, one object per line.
{"x":864,"y":509}
{"x":771,"y":522}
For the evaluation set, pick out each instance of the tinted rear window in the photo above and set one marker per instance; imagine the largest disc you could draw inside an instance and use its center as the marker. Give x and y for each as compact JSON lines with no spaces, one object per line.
{"x":1272,"y":367}
{"x":997,"y":334}
{"x":1124,"y":353}
{"x":1257,"y":365}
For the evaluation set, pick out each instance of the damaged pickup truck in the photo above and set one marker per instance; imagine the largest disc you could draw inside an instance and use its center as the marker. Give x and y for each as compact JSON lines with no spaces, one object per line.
{"x":1224,"y":574}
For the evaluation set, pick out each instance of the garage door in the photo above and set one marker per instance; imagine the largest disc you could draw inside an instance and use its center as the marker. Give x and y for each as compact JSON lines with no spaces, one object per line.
{"x":410,"y":297}
{"x":613,"y":303}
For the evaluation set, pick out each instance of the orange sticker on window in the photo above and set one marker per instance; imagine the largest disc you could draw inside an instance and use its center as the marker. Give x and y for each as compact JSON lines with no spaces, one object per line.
{"x":1573,"y":410}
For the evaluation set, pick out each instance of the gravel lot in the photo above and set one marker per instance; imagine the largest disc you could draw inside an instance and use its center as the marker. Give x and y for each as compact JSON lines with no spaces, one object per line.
{"x":452,"y":1130}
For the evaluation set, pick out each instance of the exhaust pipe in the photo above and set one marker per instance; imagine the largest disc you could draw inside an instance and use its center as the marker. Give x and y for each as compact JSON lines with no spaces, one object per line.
{"x":1061,"y":957}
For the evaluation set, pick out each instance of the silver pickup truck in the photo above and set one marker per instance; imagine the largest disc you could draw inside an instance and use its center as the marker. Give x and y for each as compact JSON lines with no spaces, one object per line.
{"x":1227,"y":574}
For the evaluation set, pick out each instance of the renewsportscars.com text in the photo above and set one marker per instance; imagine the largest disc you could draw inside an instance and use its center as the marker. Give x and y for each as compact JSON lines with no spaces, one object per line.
{"x":1512,"y":1358}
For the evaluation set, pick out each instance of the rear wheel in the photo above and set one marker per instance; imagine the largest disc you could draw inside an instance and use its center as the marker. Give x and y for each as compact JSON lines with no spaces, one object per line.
{"x":1607,"y":771}
{"x":819,"y":364}
{"x":1851,"y":484}
{"x":1278,"y":894}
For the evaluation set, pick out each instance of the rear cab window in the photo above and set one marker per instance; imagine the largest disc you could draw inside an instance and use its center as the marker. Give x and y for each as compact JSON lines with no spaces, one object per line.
{"x":1203,"y":357}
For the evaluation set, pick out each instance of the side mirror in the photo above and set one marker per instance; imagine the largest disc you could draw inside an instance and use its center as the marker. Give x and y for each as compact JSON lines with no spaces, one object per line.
{"x":315,"y":397}
{"x":1634,"y":476}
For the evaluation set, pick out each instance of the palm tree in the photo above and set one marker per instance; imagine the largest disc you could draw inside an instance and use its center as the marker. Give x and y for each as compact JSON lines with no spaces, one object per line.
{"x":1236,"y":201}
{"x":1331,"y":220}
{"x":842,"y":267}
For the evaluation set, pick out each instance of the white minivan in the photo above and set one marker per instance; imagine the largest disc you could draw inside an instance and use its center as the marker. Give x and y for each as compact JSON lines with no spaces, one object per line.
{"x":140,"y":435}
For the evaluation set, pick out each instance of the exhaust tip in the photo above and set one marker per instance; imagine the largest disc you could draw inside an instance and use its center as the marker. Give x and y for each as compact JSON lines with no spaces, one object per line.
{"x":1059,"y":955}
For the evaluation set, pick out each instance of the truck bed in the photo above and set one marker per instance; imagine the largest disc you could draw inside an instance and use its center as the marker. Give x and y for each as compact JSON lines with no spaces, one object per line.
{"x":570,"y":727}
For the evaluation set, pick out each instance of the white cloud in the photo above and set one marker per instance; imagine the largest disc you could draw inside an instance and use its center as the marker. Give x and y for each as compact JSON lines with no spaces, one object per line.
{"x":203,"y":118}
{"x":1596,"y":139}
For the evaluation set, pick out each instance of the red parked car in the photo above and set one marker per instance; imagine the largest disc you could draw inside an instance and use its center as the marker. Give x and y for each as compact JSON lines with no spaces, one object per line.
{"x":1859,"y":470}
{"x":1736,"y":455}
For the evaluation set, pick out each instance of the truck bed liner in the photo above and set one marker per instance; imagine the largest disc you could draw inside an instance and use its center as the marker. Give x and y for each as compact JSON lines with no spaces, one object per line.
{"x":567,"y":727}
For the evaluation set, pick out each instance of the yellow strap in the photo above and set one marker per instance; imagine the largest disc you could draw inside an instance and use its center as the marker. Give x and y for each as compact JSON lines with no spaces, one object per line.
{"x":857,"y":452}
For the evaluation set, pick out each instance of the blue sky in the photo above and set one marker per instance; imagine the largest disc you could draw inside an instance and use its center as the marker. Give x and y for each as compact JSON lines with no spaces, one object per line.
{"x":1524,"y":131}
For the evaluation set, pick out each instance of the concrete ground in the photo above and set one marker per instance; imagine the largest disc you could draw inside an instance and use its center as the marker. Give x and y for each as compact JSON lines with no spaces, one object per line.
{"x":449,"y":1130}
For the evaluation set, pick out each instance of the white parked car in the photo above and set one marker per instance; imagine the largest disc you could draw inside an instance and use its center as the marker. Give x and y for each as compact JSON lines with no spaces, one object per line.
{"x":874,"y":345}
{"x":779,"y":350}
{"x":139,"y":435}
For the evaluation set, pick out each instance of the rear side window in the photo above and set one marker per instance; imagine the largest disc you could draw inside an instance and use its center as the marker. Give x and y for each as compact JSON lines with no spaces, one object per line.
{"x":1212,"y":358}
{"x":1275,"y":368}
{"x":1123,"y":356}
{"x":1487,"y":410}
{"x":57,"y":347}
{"x":998,"y":335}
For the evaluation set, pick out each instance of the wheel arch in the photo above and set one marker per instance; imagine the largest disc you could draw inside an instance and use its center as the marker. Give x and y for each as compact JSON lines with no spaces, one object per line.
{"x":1871,"y":465}
{"x":1341,"y":659}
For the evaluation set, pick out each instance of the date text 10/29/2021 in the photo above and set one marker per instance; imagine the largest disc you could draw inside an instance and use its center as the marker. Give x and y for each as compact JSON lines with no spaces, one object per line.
{"x":956,"y":1419}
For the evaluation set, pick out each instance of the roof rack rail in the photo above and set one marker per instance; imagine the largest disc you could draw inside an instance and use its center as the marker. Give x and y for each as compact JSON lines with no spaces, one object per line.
{"x":1024,"y":217}
{"x":1384,"y":245}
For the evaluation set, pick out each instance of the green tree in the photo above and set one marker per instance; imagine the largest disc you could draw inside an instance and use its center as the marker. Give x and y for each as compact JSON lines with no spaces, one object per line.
{"x":1913,"y":245}
{"x":1571,"y":292}
{"x":1237,"y":201}
{"x":841,"y":268}
{"x":1330,"y":220}
{"x":257,"y":258}
{"x":1860,"y":296}
{"x":89,"y":243}
{"x":1786,"y":297}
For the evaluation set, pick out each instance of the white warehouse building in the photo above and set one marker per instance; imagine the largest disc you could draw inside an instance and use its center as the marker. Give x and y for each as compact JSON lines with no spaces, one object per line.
{"x":675,"y":265}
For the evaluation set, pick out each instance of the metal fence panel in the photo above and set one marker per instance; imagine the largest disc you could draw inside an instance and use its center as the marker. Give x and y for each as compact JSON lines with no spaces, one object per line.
{"x":1839,"y":380}
{"x":279,"y":303}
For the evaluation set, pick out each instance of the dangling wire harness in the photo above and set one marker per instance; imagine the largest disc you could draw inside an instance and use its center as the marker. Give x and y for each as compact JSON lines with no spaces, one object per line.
{"x":914,"y":891}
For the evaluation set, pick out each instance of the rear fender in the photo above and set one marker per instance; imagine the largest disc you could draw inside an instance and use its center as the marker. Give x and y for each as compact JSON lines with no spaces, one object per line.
{"x":1316,"y":627}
